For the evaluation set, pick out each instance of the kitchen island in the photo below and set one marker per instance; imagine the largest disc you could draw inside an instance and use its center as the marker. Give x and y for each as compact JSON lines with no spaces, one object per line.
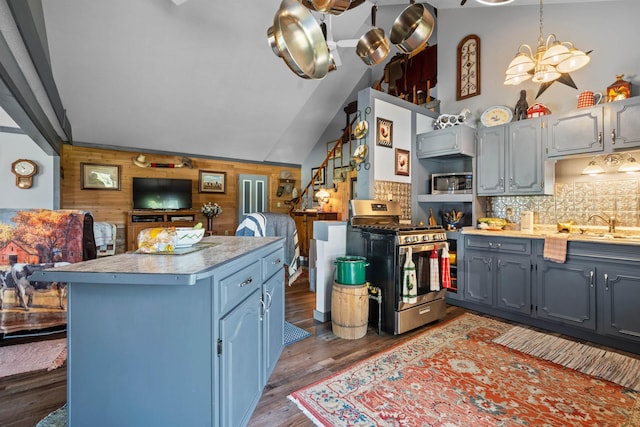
{"x":592,"y":294}
{"x":176,"y":339}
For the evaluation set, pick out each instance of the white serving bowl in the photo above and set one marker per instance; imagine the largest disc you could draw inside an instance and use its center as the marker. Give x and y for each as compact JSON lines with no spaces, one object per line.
{"x":188,"y":236}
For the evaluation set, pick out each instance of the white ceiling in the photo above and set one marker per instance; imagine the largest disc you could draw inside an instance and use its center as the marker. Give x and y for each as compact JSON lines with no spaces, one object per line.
{"x":199,"y":78}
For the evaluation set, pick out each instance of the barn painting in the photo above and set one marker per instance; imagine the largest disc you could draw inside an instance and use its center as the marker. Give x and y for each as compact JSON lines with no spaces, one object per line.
{"x":31,"y":240}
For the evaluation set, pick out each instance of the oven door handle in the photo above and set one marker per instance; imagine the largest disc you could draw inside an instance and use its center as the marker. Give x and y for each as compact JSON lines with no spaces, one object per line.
{"x":422,"y":247}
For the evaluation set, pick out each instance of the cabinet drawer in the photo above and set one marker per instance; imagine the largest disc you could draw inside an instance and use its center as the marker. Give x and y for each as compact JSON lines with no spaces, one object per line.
{"x":239,"y":285}
{"x":272,"y":263}
{"x":520,"y":246}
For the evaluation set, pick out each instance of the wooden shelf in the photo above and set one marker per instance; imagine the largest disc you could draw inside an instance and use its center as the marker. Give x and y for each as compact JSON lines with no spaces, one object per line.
{"x":445,"y":198}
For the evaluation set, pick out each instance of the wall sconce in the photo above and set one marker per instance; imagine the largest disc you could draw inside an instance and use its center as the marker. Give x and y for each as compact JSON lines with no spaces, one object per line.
{"x":592,"y":168}
{"x":630,"y":165}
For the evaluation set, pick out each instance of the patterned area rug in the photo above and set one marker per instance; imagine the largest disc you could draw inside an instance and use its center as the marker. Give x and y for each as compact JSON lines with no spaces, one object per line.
{"x":294,"y":334}
{"x":590,"y":360}
{"x":454,"y":375}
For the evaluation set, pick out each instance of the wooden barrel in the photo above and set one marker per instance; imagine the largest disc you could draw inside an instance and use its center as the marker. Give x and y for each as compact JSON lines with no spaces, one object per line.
{"x":349,"y":310}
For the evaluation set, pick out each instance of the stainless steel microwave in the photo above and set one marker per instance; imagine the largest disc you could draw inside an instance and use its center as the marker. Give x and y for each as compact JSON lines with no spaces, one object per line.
{"x":452,"y":183}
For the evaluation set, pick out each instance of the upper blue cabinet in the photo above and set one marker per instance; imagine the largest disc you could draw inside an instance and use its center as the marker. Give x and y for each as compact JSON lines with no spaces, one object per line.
{"x":599,"y":129}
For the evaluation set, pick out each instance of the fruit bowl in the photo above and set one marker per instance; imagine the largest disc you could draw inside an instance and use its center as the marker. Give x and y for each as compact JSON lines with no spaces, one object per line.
{"x":188,"y":236}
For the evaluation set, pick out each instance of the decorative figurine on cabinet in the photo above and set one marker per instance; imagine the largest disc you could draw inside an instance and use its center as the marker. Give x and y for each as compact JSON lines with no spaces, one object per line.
{"x":521,"y":106}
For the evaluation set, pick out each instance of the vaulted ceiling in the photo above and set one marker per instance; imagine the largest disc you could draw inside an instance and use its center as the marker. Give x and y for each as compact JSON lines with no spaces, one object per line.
{"x":198,"y":77}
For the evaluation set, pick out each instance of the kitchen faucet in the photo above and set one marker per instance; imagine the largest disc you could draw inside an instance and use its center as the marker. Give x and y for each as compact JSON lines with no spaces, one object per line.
{"x":611,"y":222}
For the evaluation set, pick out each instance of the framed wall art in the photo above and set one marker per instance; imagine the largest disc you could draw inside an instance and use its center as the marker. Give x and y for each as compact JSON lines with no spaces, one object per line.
{"x":319,"y":180}
{"x":212,"y":182}
{"x":384,"y":132}
{"x":99,"y":177}
{"x":402,"y":162}
{"x":468,"y":69}
{"x":338,"y":152}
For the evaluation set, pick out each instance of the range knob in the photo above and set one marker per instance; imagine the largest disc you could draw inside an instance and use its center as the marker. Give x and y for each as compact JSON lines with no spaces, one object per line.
{"x":426,"y":238}
{"x":407,"y":239}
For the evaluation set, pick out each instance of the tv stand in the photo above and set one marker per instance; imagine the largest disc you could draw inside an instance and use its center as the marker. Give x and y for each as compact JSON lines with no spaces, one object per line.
{"x":139,"y":220}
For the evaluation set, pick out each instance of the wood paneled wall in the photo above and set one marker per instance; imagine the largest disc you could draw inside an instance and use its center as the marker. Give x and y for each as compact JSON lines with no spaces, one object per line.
{"x":112,"y":206}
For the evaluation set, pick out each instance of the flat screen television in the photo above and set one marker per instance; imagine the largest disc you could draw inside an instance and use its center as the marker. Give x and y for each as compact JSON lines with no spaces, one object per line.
{"x":161,"y":193}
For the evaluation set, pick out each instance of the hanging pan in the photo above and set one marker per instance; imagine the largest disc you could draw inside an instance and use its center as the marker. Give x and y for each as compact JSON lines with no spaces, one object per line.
{"x":412,"y":28}
{"x":297,"y":38}
{"x":373,"y":46}
{"x":333,"y":7}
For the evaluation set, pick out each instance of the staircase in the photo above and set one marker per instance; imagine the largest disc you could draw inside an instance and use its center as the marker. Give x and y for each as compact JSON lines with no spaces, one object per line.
{"x":341,"y":193}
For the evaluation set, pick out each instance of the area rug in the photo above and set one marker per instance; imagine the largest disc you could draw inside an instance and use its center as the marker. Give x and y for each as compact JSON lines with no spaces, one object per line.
{"x":455,"y":375}
{"x":20,"y":358}
{"x":294,"y":334}
{"x":57,"y":418}
{"x":588,"y":359}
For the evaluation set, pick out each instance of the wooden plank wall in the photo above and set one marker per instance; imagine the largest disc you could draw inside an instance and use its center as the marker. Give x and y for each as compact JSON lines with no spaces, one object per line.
{"x":112,"y":206}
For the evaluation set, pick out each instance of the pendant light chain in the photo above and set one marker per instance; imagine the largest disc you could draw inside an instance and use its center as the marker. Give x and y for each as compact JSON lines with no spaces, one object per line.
{"x":540,"y":38}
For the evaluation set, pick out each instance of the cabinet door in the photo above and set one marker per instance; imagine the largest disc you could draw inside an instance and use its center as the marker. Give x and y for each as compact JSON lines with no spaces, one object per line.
{"x":566,"y":293}
{"x":576,"y":133}
{"x":624,"y":126}
{"x":443,"y":142}
{"x":513,"y":283}
{"x":620,"y":288}
{"x":490,"y":161}
{"x":478,"y":277}
{"x":525,"y":164}
{"x":241,"y":361}
{"x":273,"y":322}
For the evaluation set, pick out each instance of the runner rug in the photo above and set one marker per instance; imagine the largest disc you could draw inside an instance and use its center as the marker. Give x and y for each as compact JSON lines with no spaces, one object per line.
{"x":455,"y":375}
{"x":608,"y":365}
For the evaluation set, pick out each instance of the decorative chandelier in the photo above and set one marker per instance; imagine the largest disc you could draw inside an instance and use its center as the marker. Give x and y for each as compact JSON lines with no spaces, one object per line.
{"x":551,"y":60}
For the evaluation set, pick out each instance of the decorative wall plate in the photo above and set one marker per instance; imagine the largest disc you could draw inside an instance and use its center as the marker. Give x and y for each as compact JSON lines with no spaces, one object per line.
{"x":496,"y":115}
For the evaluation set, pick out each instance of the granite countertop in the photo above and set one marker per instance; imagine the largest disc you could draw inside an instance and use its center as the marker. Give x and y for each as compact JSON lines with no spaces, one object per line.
{"x":622,"y":236}
{"x":178,"y":268}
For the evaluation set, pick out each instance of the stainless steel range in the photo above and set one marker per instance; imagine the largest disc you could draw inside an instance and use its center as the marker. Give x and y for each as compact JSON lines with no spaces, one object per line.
{"x":375,"y":232}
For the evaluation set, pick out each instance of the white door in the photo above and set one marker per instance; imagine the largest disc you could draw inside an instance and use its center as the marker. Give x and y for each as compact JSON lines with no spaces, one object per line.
{"x":253,"y":195}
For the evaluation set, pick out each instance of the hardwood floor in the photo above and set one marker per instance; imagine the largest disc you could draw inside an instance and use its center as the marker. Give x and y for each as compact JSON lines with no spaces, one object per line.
{"x":315,"y":358}
{"x":27,"y":398}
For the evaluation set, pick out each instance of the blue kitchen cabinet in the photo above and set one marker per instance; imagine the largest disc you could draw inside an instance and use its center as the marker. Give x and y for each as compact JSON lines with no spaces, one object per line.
{"x":478,"y":277}
{"x":566,"y":292}
{"x":455,"y":140}
{"x":241,"y":372}
{"x":490,"y":161}
{"x":510,"y":159}
{"x":498,"y":272}
{"x":619,"y":293}
{"x":173,"y":340}
{"x":595,"y":130}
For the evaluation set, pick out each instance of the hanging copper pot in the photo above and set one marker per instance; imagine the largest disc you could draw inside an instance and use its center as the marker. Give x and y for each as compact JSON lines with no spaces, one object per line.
{"x":412,"y":28}
{"x":373,"y":46}
{"x":334,"y":7}
{"x":297,"y":37}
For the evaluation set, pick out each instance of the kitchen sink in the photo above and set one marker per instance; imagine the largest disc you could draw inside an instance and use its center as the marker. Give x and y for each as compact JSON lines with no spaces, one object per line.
{"x":598,"y":236}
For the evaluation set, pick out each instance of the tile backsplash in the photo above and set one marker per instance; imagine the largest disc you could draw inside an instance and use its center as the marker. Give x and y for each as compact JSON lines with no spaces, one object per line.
{"x":576,"y":200}
{"x":397,"y":191}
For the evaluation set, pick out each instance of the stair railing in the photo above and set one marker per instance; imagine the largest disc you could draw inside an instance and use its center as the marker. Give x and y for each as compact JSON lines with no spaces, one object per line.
{"x":306,"y":195}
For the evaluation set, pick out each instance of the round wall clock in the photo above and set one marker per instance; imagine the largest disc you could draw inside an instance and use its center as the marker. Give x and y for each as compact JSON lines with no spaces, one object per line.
{"x":496,"y":115}
{"x":24,"y":170}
